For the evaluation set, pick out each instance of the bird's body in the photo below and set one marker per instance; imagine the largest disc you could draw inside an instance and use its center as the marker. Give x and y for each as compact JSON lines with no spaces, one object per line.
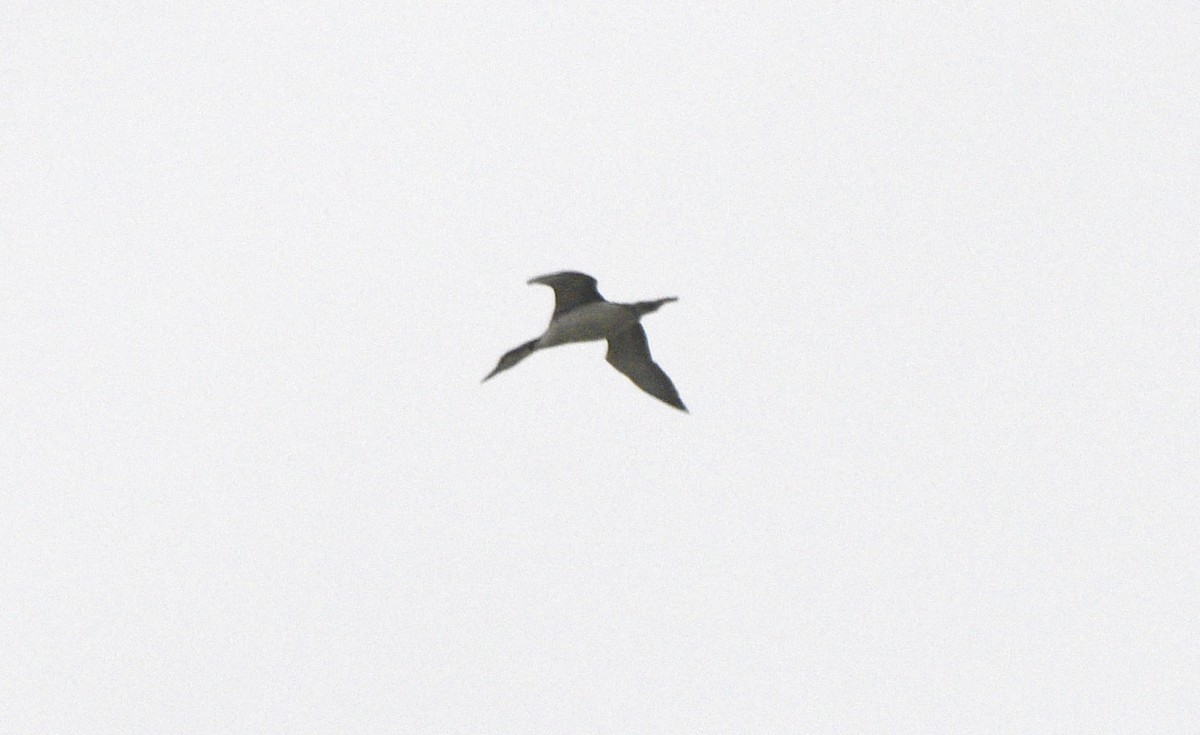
{"x":581,"y":314}
{"x":588,"y":323}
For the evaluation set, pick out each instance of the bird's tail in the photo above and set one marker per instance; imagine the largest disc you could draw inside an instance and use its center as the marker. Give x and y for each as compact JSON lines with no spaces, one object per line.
{"x":646,"y":307}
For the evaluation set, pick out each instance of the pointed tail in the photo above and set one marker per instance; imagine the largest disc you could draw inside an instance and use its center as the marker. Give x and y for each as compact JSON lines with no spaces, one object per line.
{"x":645,"y":307}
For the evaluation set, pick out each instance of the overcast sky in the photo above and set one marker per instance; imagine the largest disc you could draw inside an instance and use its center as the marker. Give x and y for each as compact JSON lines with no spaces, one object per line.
{"x":938,"y":271}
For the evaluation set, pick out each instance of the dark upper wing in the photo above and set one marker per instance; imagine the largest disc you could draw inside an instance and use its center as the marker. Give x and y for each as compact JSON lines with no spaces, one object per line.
{"x":629,"y":353}
{"x":571,"y":289}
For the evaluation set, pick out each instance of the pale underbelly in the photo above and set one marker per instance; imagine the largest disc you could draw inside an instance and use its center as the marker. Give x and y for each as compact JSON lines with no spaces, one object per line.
{"x":587,"y":323}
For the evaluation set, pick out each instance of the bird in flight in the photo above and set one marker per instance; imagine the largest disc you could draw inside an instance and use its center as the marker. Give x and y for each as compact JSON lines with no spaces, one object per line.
{"x":581,"y":314}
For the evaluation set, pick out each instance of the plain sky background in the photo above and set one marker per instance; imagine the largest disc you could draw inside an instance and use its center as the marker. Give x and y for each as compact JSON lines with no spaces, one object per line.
{"x":939,"y":278}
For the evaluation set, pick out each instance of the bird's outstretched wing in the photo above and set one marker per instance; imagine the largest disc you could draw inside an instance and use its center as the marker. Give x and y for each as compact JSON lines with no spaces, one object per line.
{"x":571,"y":289}
{"x":629,"y":353}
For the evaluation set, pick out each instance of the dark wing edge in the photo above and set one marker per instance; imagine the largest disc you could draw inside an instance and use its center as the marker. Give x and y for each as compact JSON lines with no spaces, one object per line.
{"x":571,"y":290}
{"x":629,"y":353}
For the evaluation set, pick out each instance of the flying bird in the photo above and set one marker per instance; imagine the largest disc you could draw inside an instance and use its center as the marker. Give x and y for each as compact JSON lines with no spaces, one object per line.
{"x":581,"y":314}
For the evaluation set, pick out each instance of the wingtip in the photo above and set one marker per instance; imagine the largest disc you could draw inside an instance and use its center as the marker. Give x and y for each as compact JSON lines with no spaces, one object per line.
{"x":673,"y":401}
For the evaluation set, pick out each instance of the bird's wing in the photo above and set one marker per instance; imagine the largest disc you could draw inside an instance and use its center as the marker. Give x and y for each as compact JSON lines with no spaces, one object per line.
{"x":629,"y":353}
{"x":571,"y":290}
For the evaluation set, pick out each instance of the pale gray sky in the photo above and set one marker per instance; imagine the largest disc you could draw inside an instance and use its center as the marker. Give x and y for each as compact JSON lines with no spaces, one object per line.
{"x":939,"y":280}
